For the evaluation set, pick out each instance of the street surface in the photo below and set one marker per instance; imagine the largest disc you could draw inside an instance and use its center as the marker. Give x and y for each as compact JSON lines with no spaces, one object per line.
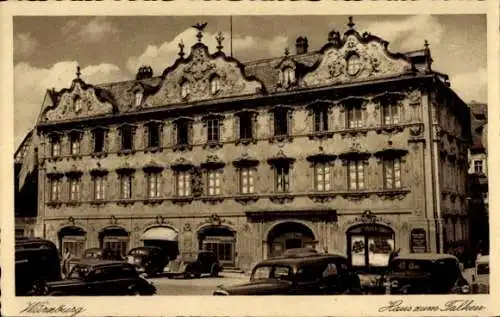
{"x":204,"y":285}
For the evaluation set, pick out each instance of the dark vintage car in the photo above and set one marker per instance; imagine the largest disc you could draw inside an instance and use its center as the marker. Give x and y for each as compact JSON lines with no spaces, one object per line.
{"x":102,"y":254}
{"x":100,"y":277}
{"x":194,"y":265}
{"x":425,"y":273}
{"x":148,"y":260}
{"x":481,"y":276}
{"x":37,"y":262}
{"x":315,"y":274}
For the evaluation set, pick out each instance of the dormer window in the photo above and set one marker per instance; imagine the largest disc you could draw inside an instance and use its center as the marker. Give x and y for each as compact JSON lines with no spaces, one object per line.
{"x":353,"y":65}
{"x":138,"y":98}
{"x":184,"y":89}
{"x":77,"y":103}
{"x":215,"y":84}
{"x":287,"y":77}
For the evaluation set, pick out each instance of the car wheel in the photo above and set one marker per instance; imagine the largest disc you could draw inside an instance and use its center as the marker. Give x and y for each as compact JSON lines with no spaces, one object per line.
{"x":197,"y":275}
{"x":187,"y":275}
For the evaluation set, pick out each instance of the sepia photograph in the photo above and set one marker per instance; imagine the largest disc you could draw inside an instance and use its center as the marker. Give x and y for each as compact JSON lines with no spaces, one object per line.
{"x":237,"y":155}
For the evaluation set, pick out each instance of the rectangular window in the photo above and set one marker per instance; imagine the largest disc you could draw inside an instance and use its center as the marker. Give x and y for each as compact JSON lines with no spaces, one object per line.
{"x":182,"y":132}
{"x":153,"y":135}
{"x":356,"y":175}
{"x":126,"y":186}
{"x":126,"y":138}
{"x":55,"y":146}
{"x":99,"y":188}
{"x":214,"y":182}
{"x":392,"y":173}
{"x":98,"y":136}
{"x":55,"y":189}
{"x":280,"y":121}
{"x":75,"y":144}
{"x":75,"y":245}
{"x":213,"y":130}
{"x":246,"y":126}
{"x":74,"y":188}
{"x":390,"y":114}
{"x":247,"y":180}
{"x":322,"y":177}
{"x":183,"y":184}
{"x":153,"y":180}
{"x":117,"y":244}
{"x":282,"y":172}
{"x":320,"y":120}
{"x":478,"y":166}
{"x":354,"y":117}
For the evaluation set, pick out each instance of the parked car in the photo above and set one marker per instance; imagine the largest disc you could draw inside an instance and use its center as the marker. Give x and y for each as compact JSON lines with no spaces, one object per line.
{"x":481,"y":277}
{"x":315,"y":274}
{"x":37,"y":262}
{"x":100,"y":277}
{"x":148,"y":260}
{"x":194,"y":265}
{"x":425,"y":273}
{"x":102,"y":254}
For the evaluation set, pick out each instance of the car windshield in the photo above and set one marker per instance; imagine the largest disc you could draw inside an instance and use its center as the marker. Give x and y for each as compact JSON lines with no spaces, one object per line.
{"x":280,"y":272}
{"x":420,"y":266}
{"x":483,"y":269}
{"x":79,"y":271}
{"x":91,"y":254}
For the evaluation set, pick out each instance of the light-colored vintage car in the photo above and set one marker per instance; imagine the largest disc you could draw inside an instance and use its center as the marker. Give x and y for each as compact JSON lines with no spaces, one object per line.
{"x":481,"y":277}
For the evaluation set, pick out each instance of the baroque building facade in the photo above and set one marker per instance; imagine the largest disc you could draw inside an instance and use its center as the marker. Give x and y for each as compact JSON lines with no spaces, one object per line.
{"x":350,"y":149}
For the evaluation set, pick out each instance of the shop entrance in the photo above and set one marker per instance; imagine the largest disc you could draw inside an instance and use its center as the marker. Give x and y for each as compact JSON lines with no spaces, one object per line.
{"x":289,"y":235}
{"x":221,"y":241}
{"x":166,"y":238}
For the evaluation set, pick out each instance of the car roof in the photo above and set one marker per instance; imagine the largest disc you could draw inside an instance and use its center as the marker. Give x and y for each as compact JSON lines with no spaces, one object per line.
{"x":293,"y":261}
{"x":97,"y":262}
{"x":425,"y":256}
{"x":33,"y":242}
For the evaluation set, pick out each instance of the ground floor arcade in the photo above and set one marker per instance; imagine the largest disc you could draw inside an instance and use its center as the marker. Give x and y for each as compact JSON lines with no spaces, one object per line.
{"x":242,"y":240}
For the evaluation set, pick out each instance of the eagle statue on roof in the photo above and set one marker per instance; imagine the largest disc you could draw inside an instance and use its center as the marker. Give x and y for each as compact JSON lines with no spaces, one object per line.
{"x":200,"y":26}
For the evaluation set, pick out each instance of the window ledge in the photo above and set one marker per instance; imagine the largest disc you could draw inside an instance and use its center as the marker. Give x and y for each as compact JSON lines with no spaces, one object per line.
{"x":126,"y":152}
{"x":182,"y":147}
{"x":354,"y":131}
{"x":54,"y":204}
{"x":74,"y":157}
{"x":73,"y":203}
{"x":280,"y":138}
{"x":245,"y":199}
{"x":54,"y":158}
{"x":182,"y":200}
{"x":246,"y":141}
{"x":213,"y":145}
{"x":321,"y":135}
{"x":153,"y":201}
{"x":153,"y":149}
{"x":98,"y":202}
{"x":281,"y":198}
{"x":125,"y":202}
{"x":321,"y":197}
{"x":99,"y":154}
{"x":393,"y":128}
{"x":212,"y":199}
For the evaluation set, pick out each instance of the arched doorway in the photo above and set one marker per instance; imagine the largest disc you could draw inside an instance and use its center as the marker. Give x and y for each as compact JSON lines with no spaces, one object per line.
{"x":164,"y":237}
{"x":73,"y":239}
{"x":369,"y":246}
{"x":114,"y":238}
{"x":220,"y":240}
{"x":289,"y":235}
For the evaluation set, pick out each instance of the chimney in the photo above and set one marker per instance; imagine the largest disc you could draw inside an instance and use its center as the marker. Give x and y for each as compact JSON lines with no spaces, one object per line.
{"x":301,"y":45}
{"x":144,"y":72}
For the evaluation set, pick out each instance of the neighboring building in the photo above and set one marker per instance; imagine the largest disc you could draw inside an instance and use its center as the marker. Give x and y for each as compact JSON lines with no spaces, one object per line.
{"x":350,"y":148}
{"x":478,"y":176}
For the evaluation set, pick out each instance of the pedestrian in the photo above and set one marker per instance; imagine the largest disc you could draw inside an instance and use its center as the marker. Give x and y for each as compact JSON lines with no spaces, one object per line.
{"x":66,"y":261}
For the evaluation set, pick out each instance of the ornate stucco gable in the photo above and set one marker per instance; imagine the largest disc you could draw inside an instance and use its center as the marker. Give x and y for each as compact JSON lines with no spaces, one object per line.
{"x":79,"y":101}
{"x":196,"y":73}
{"x":356,"y":57}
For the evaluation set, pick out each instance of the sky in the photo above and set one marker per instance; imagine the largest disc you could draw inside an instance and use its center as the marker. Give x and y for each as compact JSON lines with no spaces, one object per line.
{"x":47,"y":49}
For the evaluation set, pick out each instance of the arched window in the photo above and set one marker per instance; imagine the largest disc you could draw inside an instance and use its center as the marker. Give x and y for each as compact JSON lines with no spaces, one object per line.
{"x":184,"y":89}
{"x":215,"y":85}
{"x":77,"y":106}
{"x":353,"y":65}
{"x":287,"y":76}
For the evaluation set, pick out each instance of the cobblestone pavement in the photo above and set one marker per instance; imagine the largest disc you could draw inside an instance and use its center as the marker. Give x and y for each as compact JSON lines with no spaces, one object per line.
{"x":196,"y":286}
